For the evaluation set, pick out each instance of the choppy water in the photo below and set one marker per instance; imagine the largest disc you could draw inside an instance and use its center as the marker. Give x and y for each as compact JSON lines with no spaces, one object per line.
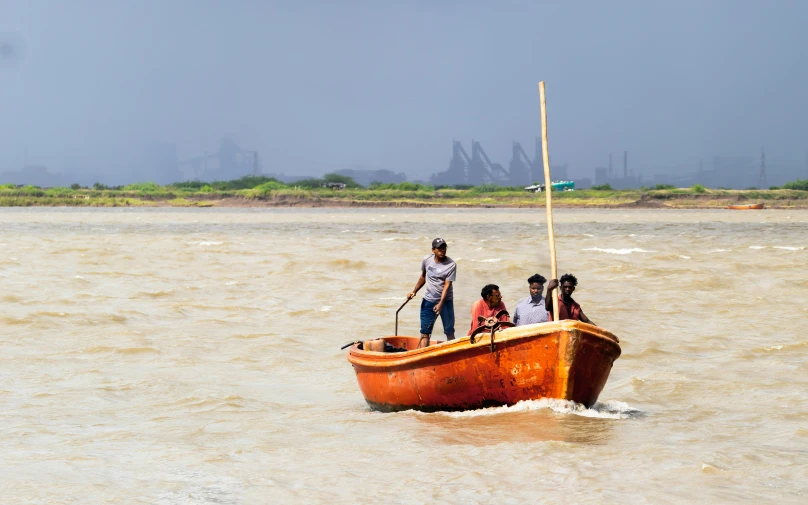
{"x":192,"y":356}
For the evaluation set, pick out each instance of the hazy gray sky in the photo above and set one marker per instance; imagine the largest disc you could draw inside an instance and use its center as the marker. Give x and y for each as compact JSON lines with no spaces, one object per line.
{"x":319,"y":86}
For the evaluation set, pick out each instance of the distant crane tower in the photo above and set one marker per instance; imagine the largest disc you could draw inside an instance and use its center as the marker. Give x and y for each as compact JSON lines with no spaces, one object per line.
{"x":625,"y":164}
{"x":256,"y":164}
{"x":762,"y":184}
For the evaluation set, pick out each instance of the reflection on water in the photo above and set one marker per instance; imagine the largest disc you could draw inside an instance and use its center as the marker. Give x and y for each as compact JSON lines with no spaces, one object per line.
{"x":192,"y":356}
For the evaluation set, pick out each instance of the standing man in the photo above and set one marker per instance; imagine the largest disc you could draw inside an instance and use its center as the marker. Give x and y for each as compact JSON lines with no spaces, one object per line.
{"x":489,"y":305}
{"x":567,"y":307}
{"x":438,"y":272}
{"x":532,"y":309}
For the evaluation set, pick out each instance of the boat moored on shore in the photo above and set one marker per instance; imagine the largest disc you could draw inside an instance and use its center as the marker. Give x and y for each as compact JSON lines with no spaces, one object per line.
{"x":748,"y":206}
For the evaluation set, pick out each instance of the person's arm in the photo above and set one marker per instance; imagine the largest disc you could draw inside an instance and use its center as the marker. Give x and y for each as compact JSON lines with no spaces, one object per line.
{"x":516,"y":315}
{"x":418,"y":285}
{"x":474,"y":314}
{"x":503,"y":307}
{"x":548,"y":301}
{"x":446,"y":286}
{"x":586,"y":319}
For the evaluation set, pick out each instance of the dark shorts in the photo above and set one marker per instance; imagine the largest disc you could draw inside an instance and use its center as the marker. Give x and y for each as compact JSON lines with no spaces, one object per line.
{"x":429,"y":318}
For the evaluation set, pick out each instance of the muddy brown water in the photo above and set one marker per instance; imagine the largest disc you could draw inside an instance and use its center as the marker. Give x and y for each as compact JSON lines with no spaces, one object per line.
{"x":192,"y":356}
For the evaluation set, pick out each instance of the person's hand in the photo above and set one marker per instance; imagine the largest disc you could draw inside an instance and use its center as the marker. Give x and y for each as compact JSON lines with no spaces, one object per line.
{"x":437,"y":308}
{"x":552,"y":285}
{"x":411,"y":295}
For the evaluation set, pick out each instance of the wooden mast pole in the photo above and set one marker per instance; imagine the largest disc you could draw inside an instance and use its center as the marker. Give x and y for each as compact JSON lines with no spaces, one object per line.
{"x":548,"y":190}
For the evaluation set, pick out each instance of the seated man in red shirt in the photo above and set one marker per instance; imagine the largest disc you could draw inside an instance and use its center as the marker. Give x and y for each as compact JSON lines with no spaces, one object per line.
{"x":488,"y":306}
{"x":567,"y":307}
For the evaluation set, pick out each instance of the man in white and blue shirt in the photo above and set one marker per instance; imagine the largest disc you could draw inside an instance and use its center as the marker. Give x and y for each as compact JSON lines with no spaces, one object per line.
{"x":531,"y":310}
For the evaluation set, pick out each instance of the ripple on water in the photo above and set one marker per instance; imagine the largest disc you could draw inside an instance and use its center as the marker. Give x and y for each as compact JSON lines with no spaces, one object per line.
{"x":621,"y":252}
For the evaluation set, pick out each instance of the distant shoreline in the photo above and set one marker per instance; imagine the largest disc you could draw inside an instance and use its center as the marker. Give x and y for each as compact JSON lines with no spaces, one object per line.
{"x":626,"y":199}
{"x":260,"y":191}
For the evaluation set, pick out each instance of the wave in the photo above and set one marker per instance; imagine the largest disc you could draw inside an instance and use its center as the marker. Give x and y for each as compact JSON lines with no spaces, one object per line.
{"x":206,"y":243}
{"x":789,"y":248}
{"x":796,"y":346}
{"x":345,"y":263}
{"x":137,"y":350}
{"x":757,"y":247}
{"x":618,"y":251}
{"x":154,"y":294}
{"x":489,"y":260}
{"x":610,"y":409}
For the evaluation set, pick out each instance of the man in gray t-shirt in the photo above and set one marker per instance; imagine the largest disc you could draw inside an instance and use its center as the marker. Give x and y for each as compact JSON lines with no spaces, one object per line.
{"x":438,"y":272}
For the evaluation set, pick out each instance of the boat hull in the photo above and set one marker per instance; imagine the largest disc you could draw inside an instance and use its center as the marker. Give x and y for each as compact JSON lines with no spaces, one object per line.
{"x":569,"y":360}
{"x":751,"y":206}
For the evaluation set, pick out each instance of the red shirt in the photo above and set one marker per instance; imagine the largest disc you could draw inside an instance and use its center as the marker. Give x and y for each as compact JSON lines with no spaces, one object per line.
{"x":574,"y":311}
{"x":480,"y":308}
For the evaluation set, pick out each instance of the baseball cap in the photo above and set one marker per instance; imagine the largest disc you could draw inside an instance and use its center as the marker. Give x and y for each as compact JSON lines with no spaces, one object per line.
{"x":438,"y":243}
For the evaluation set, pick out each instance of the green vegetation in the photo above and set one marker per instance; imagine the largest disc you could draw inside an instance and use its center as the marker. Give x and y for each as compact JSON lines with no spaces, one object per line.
{"x":800,"y":184}
{"x":267,"y":191}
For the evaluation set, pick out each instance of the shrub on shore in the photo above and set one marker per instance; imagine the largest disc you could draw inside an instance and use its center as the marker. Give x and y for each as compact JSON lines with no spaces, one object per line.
{"x":800,"y":184}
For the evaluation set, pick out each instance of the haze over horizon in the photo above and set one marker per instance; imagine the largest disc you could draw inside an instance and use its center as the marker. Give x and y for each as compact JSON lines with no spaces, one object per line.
{"x":316,"y":87}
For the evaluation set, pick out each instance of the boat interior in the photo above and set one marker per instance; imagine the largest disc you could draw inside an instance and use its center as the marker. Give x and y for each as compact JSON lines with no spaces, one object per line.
{"x":398,"y":343}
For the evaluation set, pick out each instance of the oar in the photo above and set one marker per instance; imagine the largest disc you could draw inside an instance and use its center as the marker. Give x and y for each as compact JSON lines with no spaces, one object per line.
{"x":399,"y":310}
{"x":548,"y":185}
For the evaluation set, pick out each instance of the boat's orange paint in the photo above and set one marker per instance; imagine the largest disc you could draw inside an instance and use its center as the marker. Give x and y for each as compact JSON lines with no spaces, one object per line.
{"x":570,"y":360}
{"x":749,"y":206}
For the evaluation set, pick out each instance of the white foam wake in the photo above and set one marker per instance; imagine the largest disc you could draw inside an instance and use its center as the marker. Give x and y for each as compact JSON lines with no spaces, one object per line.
{"x":610,"y":409}
{"x":789,"y":248}
{"x":618,"y":251}
{"x":489,"y":260}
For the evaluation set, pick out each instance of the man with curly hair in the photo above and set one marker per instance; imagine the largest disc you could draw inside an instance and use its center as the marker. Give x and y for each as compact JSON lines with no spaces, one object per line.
{"x":567,"y":307}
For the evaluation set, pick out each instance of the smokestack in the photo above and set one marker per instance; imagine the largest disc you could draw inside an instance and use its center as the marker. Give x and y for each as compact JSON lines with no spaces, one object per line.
{"x":625,"y":164}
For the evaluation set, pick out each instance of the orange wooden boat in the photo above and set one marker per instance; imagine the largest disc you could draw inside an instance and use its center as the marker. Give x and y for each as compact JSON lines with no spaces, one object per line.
{"x":748,"y":206}
{"x":568,"y":359}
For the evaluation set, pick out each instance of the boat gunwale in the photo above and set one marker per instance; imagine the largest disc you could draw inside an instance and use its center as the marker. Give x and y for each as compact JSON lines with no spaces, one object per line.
{"x":373,"y":359}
